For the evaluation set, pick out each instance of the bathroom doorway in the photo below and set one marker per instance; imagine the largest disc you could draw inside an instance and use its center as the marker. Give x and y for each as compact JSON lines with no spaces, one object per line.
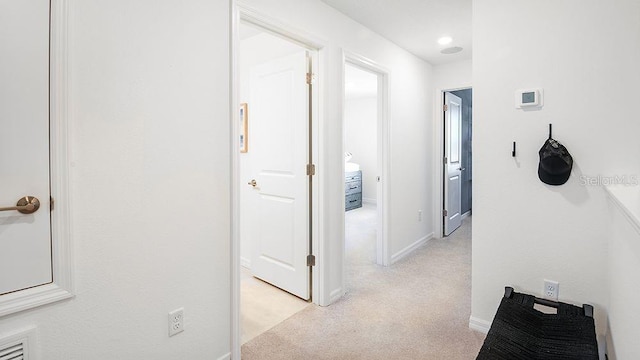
{"x":457,"y":160}
{"x":365,"y":131}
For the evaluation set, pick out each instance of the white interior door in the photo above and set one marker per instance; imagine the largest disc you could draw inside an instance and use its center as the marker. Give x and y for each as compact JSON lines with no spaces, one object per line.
{"x":279,"y":133}
{"x":25,"y":239}
{"x":453,"y":163}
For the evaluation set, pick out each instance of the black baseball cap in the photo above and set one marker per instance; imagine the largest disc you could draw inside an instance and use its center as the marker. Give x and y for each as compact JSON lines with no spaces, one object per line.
{"x":555,"y":163}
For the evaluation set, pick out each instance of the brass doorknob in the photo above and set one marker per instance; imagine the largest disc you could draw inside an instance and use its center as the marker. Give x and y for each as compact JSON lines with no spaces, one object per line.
{"x":253,"y":183}
{"x":26,"y":205}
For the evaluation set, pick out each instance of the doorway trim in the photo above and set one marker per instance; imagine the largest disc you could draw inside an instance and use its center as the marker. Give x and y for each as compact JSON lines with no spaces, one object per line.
{"x":61,"y":247}
{"x":438,"y":151}
{"x":383,"y":140}
{"x":241,"y":13}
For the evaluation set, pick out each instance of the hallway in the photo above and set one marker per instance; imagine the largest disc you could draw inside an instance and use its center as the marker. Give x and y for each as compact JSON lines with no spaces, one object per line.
{"x":416,"y":309}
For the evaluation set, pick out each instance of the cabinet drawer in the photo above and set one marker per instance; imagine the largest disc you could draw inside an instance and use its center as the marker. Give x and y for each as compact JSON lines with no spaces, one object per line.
{"x":354,"y":175}
{"x":352,"y":187}
{"x":353,"y":201}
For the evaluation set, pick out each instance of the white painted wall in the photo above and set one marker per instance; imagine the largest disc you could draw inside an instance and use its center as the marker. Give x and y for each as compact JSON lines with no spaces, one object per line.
{"x":453,"y":76}
{"x":361,"y":139}
{"x":149,"y":184}
{"x":623,"y":270}
{"x":410,"y":110}
{"x":253,"y":51}
{"x":525,"y":231}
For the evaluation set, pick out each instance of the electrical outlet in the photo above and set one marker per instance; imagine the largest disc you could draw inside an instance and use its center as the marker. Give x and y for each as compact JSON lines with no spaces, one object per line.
{"x":419,"y":215}
{"x":176,"y":321}
{"x":551,"y":289}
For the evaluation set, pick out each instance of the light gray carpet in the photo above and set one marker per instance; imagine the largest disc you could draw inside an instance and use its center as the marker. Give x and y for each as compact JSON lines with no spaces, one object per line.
{"x":416,"y":309}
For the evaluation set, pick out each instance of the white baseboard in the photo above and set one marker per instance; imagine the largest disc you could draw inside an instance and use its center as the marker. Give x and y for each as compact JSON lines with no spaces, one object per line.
{"x":409,"y":249}
{"x":226,"y":356}
{"x":370,"y":201}
{"x":245,"y":263}
{"x":480,"y":325}
{"x":335,"y":295}
{"x":465,"y":215}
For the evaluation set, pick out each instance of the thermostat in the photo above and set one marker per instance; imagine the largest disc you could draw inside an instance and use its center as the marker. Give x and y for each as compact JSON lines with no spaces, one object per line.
{"x":529,"y":98}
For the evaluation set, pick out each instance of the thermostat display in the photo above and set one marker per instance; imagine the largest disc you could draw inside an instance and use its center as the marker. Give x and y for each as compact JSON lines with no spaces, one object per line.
{"x":528,"y":98}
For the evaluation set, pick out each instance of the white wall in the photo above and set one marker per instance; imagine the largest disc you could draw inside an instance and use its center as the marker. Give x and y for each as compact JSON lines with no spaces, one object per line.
{"x":149,"y":184}
{"x":525,"y":231}
{"x":253,"y":51}
{"x":452,"y":76}
{"x":410,"y":110}
{"x":623,"y":270}
{"x":361,"y":139}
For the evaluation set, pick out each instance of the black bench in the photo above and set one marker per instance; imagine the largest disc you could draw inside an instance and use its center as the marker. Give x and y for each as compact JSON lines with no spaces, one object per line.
{"x":520,"y":332}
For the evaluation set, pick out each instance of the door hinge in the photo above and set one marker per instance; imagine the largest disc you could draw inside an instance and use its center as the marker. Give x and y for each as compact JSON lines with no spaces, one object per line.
{"x":445,"y":212}
{"x":311,"y":169}
{"x":50,"y":203}
{"x":311,"y":77}
{"x":445,"y":107}
{"x":311,"y":260}
{"x":446,"y":160}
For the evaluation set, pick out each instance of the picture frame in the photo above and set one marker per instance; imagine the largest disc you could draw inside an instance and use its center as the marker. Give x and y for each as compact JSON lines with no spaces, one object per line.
{"x":244,"y":128}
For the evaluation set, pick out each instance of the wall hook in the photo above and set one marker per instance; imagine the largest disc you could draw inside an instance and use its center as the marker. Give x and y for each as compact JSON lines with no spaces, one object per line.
{"x":513,"y":152}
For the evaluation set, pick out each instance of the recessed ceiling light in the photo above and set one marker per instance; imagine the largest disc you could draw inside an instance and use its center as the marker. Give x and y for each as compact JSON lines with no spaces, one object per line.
{"x":445,"y":40}
{"x":451,"y":50}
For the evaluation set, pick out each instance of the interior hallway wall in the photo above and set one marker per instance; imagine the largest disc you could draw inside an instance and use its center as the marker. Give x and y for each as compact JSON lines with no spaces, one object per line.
{"x":452,"y":76}
{"x":149,"y":184}
{"x":525,"y":231}
{"x":623,"y":269}
{"x":410,"y":109}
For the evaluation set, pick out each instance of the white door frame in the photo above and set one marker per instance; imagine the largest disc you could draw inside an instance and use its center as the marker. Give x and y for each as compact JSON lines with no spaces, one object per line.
{"x":383,"y":140}
{"x":438,"y":161}
{"x":61,"y":252}
{"x":243,"y":13}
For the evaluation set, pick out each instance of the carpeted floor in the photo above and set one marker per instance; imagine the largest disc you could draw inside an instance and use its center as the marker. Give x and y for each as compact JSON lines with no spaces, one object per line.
{"x":416,"y":309}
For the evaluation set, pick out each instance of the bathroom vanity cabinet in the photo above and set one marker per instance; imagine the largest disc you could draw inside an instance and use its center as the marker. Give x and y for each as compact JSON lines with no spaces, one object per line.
{"x":353,"y":190}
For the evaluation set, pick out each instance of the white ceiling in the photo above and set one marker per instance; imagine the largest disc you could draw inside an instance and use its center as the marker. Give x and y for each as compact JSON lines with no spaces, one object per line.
{"x":416,"y":25}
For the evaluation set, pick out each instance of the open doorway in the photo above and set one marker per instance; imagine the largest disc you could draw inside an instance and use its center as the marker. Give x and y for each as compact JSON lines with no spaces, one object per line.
{"x":360,"y":170}
{"x":365,"y":131}
{"x":457,"y":161}
{"x":274,"y":187}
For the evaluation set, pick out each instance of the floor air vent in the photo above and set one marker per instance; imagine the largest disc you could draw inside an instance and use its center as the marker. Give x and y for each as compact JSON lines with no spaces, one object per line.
{"x":16,"y":346}
{"x":15,"y":352}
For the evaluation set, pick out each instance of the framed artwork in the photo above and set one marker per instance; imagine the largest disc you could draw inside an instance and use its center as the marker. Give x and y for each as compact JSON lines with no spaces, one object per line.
{"x":244,"y":128}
